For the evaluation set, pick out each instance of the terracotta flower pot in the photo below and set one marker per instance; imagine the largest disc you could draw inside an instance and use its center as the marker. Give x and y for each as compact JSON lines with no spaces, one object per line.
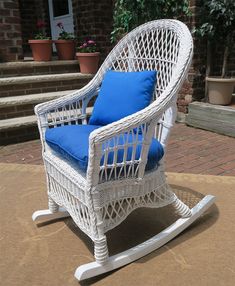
{"x":65,"y":49}
{"x":88,"y":62}
{"x":41,"y":49}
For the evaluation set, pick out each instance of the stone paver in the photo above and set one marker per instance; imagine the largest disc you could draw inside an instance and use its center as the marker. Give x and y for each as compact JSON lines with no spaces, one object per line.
{"x":190,"y":150}
{"x":197,"y":151}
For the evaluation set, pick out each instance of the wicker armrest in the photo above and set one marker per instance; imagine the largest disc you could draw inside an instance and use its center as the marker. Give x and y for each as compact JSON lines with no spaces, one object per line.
{"x":67,"y":109}
{"x":84,"y":94}
{"x":132,"y":121}
{"x":100,"y":140}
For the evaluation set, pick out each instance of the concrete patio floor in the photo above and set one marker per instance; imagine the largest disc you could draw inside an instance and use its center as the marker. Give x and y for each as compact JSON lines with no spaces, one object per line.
{"x":190,"y":150}
{"x":48,"y":253}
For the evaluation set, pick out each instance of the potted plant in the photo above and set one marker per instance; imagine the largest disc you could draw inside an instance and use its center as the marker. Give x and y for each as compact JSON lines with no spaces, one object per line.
{"x":218,"y":27}
{"x":88,"y":57}
{"x":65,"y":45}
{"x":41,"y":46}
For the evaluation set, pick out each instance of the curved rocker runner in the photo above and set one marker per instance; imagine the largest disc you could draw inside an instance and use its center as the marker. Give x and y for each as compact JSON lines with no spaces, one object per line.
{"x":98,"y":172}
{"x":126,"y":257}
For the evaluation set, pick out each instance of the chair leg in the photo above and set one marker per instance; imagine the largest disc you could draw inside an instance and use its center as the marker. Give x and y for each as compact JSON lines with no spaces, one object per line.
{"x":101,"y":250}
{"x":52,"y":205}
{"x":181,"y":209}
{"x":54,"y":211}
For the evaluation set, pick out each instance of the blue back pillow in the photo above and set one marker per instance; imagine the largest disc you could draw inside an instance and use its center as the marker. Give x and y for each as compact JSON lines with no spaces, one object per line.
{"x":122,"y":94}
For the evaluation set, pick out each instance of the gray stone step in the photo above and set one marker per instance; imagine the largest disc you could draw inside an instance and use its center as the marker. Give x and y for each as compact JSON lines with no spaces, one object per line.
{"x":10,"y":69}
{"x":17,"y":106}
{"x":22,"y":85}
{"x":216,"y":118}
{"x":16,"y":123}
{"x":19,"y":80}
{"x":16,"y":130}
{"x":20,"y":129}
{"x":25,"y":84}
{"x":32,"y":98}
{"x":25,"y":121}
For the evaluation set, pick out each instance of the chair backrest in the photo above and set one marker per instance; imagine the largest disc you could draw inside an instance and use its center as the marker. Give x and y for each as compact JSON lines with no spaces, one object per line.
{"x":162,"y":45}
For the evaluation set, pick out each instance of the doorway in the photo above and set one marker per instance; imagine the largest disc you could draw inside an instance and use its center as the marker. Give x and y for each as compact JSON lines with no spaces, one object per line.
{"x":60,"y":11}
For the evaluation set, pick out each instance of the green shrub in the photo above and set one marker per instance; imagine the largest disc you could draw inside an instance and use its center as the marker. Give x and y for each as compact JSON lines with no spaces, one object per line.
{"x":129,"y":14}
{"x":217,"y":26}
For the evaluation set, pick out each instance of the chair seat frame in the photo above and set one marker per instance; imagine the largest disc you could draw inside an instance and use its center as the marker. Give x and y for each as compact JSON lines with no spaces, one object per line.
{"x":106,"y":194}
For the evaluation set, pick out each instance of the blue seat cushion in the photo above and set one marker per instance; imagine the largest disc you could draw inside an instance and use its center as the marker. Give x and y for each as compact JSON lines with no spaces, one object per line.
{"x":122,"y":94}
{"x":72,"y":142}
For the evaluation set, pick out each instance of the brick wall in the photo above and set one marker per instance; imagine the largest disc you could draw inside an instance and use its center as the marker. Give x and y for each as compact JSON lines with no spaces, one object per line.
{"x":94,"y":19}
{"x":194,"y":85}
{"x":10,"y":31}
{"x":43,"y":14}
{"x":31,"y":11}
{"x":28,"y":21}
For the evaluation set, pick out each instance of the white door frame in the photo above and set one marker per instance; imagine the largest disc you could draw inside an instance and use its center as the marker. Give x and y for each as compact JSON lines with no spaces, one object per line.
{"x":66,"y":19}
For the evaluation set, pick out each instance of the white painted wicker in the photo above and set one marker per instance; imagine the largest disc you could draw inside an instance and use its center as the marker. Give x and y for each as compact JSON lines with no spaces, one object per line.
{"x":104,"y":196}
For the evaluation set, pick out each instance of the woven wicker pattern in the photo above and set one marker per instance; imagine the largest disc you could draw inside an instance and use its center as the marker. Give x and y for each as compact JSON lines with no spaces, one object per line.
{"x":106,"y":194}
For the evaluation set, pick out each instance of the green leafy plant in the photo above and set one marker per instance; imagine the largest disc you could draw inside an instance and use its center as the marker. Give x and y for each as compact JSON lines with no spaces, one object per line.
{"x":218,"y":27}
{"x":88,"y":46}
{"x":129,"y":14}
{"x":63,"y":35}
{"x":41,"y":34}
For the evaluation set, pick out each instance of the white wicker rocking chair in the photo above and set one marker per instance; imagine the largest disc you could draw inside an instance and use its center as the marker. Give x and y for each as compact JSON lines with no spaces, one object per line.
{"x":96,"y":200}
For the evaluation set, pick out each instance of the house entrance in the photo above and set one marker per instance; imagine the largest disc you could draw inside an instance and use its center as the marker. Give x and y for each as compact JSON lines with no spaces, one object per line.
{"x":60,"y":11}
